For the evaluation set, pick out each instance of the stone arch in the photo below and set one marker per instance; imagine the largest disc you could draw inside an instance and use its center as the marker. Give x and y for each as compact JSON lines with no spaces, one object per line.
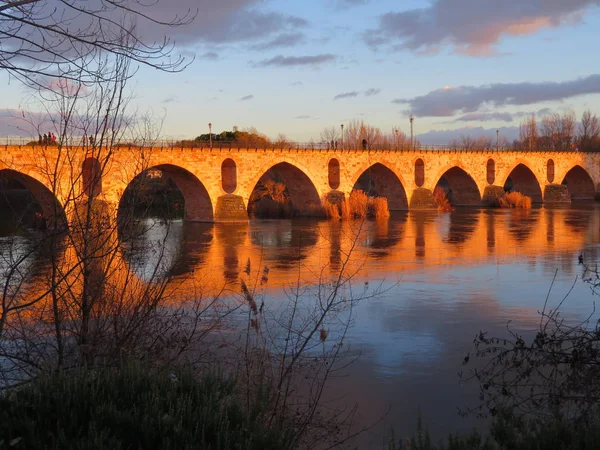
{"x":91,"y":174}
{"x":333,"y":172}
{"x":229,"y":176}
{"x":461,"y":189}
{"x":380,"y":181}
{"x":491,"y":171}
{"x":580,"y":184}
{"x":197,"y":203}
{"x":302,"y":192}
{"x":550,"y":171}
{"x":522,"y":179}
{"x":419,"y":172}
{"x":53,"y":214}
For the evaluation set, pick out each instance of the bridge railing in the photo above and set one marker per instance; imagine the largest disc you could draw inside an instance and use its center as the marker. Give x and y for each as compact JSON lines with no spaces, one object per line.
{"x":249,"y":144}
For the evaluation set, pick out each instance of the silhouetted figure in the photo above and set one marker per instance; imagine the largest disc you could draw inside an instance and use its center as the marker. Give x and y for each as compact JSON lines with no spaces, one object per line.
{"x":581,"y":258}
{"x":45,"y":139}
{"x":364,"y":144}
{"x":40,"y":141}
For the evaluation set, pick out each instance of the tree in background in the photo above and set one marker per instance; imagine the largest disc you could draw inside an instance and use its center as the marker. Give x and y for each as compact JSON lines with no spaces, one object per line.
{"x":588,"y":138}
{"x":528,"y":132}
{"x":558,"y":131}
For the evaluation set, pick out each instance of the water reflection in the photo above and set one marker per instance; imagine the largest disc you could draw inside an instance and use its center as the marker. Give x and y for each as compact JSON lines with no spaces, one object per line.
{"x":462,"y":272}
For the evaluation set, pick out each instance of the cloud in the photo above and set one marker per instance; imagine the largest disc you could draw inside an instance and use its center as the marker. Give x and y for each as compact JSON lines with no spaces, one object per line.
{"x":17,"y":122}
{"x":303,"y":117}
{"x":297,"y":83}
{"x":246,"y":98}
{"x":346,"y":95}
{"x":500,"y":116}
{"x":472,"y":27}
{"x":342,"y":4}
{"x":283,"y":40}
{"x":372,"y":91}
{"x":169,"y":99}
{"x":210,"y":56}
{"x":290,"y":61}
{"x":218,"y":22}
{"x":443,"y":137}
{"x":448,"y":101}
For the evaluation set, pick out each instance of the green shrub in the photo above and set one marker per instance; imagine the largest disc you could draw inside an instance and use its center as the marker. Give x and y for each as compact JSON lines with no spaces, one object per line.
{"x":133,"y":408}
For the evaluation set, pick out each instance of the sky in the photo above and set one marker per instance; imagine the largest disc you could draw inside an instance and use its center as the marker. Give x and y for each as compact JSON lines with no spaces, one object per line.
{"x":461,"y":67}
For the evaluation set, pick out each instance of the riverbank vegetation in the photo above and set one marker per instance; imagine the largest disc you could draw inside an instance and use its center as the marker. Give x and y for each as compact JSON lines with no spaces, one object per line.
{"x":357,"y":206}
{"x":443,"y":204}
{"x":136,"y":406}
{"x":512,"y":200}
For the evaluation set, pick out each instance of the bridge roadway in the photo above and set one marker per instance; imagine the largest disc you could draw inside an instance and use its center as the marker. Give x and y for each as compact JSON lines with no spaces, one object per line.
{"x":217,"y":184}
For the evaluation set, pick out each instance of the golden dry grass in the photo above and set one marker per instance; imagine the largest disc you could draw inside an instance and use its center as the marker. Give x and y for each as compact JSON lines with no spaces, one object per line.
{"x":442,"y":201}
{"x":357,"y":206}
{"x":378,"y":208}
{"x":515,"y":200}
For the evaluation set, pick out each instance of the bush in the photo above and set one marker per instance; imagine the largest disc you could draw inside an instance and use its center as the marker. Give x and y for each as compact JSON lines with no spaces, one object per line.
{"x":442,"y":201}
{"x":514,"y":200}
{"x":359,"y":205}
{"x":134,"y":408}
{"x":378,"y":208}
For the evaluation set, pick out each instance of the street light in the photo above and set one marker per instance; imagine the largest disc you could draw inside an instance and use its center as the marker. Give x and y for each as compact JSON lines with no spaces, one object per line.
{"x":497,"y":140}
{"x":397,"y":131}
{"x":210,"y":134}
{"x":342,"y":127}
{"x":412,"y":119}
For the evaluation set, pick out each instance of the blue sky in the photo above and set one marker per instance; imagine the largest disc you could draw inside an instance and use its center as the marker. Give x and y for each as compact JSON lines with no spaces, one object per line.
{"x":278,"y":65}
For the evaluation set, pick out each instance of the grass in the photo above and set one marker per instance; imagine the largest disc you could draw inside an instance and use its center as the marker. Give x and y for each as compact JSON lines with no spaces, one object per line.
{"x":443,"y":204}
{"x":134,"y":408}
{"x":514,"y":200}
{"x":358,"y":205}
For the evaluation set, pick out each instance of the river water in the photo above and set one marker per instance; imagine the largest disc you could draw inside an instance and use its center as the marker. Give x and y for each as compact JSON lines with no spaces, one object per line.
{"x":444,"y":278}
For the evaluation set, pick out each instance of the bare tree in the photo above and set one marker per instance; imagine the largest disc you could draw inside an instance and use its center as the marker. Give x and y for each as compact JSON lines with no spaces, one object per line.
{"x":88,"y":304}
{"x":529,"y":135}
{"x":282,"y":141}
{"x":358,"y":133}
{"x":589,"y":132}
{"x":558,"y":131}
{"x":330,"y":136}
{"x":46,"y":40}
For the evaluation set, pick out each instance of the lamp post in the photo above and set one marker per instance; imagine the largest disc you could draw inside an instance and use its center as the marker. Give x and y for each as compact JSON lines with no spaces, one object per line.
{"x":210,"y":134}
{"x":497,"y":140}
{"x":412,"y":119}
{"x":342,"y":127}
{"x":397,"y":132}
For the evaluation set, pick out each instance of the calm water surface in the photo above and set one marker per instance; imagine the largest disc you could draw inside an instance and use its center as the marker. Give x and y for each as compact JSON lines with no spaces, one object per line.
{"x":446,"y":277}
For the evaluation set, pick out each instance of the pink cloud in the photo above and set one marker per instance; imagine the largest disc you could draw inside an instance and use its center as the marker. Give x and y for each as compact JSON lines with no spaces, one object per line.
{"x":473,"y":27}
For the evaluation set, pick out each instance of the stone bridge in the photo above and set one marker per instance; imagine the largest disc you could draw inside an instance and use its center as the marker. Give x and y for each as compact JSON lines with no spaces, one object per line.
{"x":217,"y":184}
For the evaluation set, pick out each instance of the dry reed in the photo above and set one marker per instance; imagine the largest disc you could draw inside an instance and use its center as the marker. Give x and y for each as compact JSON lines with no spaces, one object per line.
{"x":515,"y":200}
{"x":442,"y":201}
{"x":378,"y":208}
{"x":357,"y":206}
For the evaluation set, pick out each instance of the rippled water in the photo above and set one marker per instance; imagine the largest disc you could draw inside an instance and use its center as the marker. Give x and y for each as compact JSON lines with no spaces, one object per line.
{"x":446,"y":277}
